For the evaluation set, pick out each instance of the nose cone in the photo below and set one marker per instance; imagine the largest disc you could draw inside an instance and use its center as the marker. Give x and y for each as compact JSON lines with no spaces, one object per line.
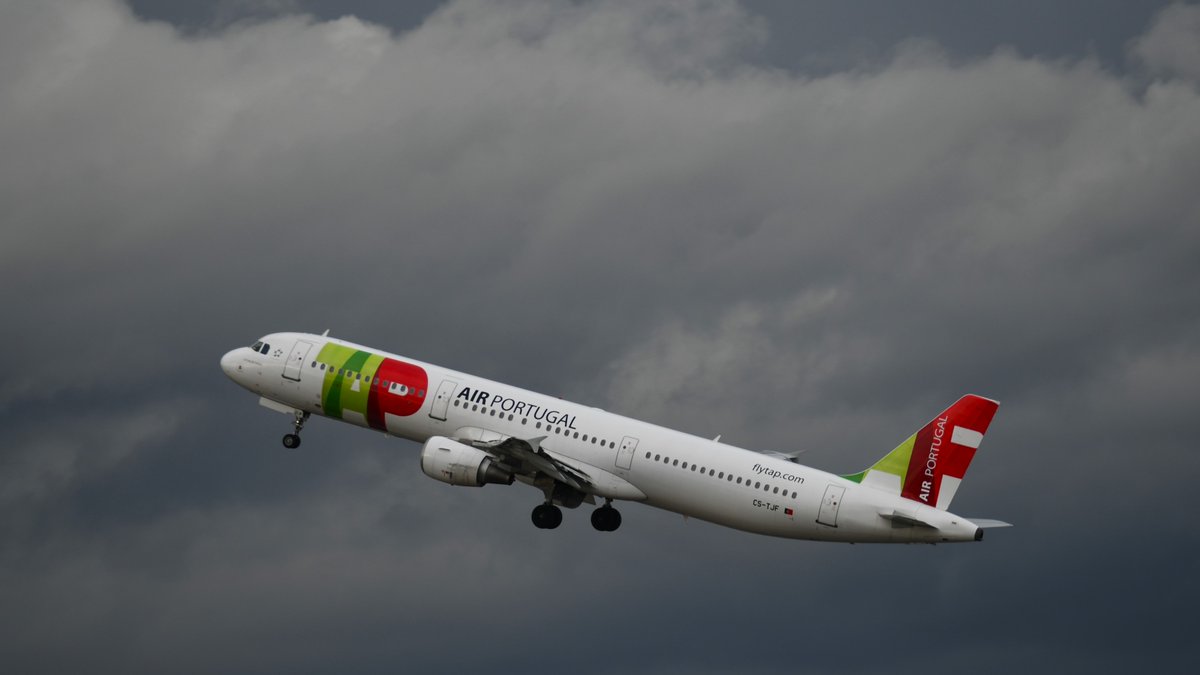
{"x":229,"y":363}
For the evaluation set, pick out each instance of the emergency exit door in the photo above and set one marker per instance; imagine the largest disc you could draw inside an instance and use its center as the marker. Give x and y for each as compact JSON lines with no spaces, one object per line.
{"x":625,"y":452}
{"x":829,"y":505}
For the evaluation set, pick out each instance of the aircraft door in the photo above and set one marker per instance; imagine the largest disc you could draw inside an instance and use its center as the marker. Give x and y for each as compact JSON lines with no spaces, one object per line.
{"x":295,"y":361}
{"x":441,"y":400}
{"x":625,"y":452}
{"x":829,"y":505}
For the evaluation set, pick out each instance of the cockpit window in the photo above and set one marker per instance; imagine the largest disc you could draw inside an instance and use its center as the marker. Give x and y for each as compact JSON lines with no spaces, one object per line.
{"x":257,"y":346}
{"x":264,"y":349}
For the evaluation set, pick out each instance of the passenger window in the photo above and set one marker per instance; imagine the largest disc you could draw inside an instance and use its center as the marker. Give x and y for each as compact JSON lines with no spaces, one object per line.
{"x":757,"y":485}
{"x":721,"y":475}
{"x":675,"y":463}
{"x":576,"y":434}
{"x":739,"y":480}
{"x":657,"y":457}
{"x":684,"y":465}
{"x":776,"y":490}
{"x":420,"y":393}
{"x":647,"y":455}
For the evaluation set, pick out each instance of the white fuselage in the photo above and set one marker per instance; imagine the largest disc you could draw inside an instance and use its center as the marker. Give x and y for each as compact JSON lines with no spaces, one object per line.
{"x":679,"y":472}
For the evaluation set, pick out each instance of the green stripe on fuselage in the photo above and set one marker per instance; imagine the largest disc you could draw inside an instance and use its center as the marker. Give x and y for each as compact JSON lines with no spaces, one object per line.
{"x":337,"y":390}
{"x":365,"y":363}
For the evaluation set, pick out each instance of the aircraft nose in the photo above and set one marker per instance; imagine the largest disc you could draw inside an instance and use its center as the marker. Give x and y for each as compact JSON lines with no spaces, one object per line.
{"x":229,"y":363}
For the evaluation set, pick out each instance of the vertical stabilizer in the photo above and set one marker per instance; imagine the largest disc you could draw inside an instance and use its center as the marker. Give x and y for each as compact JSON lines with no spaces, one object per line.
{"x":930,"y":464}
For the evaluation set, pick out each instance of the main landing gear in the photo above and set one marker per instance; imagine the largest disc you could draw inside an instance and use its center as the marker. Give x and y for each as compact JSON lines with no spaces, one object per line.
{"x":546,"y":516}
{"x":292,"y":440}
{"x":606,"y":518}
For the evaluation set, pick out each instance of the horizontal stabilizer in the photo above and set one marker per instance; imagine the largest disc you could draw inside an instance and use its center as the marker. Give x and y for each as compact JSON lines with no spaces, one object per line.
{"x":986,"y":523}
{"x":905,"y":518}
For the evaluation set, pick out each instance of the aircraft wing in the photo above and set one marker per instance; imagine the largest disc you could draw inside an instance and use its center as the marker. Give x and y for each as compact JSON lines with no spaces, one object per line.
{"x":526,"y":456}
{"x":790,"y":456}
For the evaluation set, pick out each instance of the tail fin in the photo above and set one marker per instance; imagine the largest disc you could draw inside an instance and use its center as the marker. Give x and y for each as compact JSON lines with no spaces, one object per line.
{"x":928,"y":467}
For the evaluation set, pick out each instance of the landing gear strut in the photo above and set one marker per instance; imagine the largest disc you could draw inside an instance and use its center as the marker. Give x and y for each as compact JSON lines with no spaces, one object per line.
{"x":293,"y":440}
{"x":606,"y":518}
{"x":546,"y":516}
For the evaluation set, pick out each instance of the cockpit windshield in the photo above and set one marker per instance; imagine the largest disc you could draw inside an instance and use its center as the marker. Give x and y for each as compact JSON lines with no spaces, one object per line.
{"x":261,"y":347}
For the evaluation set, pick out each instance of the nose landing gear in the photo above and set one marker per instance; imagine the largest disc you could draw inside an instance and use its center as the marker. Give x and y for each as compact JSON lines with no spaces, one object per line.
{"x":292,"y":440}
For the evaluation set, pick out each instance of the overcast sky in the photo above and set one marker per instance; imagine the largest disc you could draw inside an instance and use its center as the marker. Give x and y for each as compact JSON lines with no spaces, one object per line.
{"x":804,"y":226}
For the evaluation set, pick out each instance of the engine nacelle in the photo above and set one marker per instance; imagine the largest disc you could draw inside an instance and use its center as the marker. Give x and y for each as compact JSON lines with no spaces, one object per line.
{"x":458,"y":464}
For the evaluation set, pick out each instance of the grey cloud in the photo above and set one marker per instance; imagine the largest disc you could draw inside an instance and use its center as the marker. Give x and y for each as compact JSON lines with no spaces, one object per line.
{"x":1169,"y":47}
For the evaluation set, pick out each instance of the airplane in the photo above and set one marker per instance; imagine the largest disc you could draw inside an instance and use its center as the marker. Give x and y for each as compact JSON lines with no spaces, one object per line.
{"x":476,"y":432}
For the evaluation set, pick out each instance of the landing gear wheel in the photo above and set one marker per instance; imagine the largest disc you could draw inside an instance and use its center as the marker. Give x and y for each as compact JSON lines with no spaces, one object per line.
{"x":546,"y":516}
{"x":606,"y":518}
{"x":292,"y":441}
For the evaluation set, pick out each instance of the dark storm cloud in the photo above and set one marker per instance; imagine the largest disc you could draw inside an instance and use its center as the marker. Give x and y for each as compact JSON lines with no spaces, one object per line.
{"x":617,"y":203}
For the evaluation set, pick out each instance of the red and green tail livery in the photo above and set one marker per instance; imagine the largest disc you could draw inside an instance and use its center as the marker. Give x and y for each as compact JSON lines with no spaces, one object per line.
{"x":930,"y":464}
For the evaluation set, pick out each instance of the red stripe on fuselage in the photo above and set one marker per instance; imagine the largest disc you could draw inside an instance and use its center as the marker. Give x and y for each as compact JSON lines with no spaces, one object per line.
{"x":386,"y":400}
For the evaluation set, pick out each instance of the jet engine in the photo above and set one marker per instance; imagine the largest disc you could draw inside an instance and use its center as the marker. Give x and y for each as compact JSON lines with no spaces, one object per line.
{"x":458,"y":464}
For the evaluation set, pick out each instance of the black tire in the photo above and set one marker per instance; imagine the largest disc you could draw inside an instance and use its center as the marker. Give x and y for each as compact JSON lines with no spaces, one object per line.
{"x":546,"y":516}
{"x":291,"y":441}
{"x":615,"y":520}
{"x":606,"y":519}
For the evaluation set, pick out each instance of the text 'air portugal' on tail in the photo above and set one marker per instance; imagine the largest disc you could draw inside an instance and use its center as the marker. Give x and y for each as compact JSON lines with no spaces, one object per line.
{"x":929,"y":466}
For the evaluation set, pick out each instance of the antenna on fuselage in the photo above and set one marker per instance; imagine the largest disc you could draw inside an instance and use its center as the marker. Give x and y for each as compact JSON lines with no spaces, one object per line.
{"x":326,"y":333}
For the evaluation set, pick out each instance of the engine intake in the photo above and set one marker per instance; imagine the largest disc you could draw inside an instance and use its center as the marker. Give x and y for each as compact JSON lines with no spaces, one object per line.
{"x":457,"y":464}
